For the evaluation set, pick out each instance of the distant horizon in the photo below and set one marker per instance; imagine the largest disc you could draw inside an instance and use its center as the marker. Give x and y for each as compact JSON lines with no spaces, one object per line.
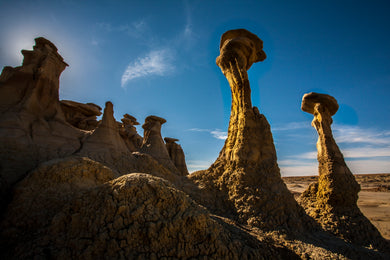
{"x":153,"y":58}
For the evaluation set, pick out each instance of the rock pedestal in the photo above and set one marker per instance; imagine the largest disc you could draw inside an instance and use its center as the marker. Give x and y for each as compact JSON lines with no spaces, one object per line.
{"x":246,"y":176}
{"x":332,"y":201}
{"x":177,"y":155}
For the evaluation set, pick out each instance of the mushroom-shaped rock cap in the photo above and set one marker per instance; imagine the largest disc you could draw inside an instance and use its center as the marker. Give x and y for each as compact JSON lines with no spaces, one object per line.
{"x":309,"y":101}
{"x":170,"y":140}
{"x":128,"y":119}
{"x":155,"y":118}
{"x":237,"y":33}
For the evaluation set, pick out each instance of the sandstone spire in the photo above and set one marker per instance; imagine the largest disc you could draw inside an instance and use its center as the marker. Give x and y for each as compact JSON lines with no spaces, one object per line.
{"x":333,"y":199}
{"x":153,"y":143}
{"x":177,"y":155}
{"x":246,"y":174}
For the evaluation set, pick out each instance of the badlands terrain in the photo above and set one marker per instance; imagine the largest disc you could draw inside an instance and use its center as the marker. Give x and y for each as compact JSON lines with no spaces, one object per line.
{"x":374,"y":198}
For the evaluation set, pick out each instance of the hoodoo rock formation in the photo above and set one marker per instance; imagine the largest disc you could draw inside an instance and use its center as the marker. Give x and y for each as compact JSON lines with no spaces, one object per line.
{"x":33,"y":128}
{"x":153,"y":143}
{"x":81,"y":115}
{"x":177,"y":154}
{"x":332,"y":201}
{"x":246,"y":175}
{"x":129,"y":133}
{"x":75,"y":188}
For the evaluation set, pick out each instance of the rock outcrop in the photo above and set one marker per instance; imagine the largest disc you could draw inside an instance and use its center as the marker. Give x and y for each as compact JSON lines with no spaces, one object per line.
{"x":177,"y":155}
{"x":153,"y":143}
{"x":245,"y":176}
{"x":332,"y":201}
{"x":134,"y":216}
{"x":129,"y":133}
{"x":33,"y":128}
{"x":83,"y":116}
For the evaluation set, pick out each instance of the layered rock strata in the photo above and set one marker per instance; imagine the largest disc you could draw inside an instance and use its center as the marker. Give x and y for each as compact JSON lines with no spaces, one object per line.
{"x":153,"y":143}
{"x":332,"y":201}
{"x":33,"y":128}
{"x":83,"y":116}
{"x":245,"y":177}
{"x":177,"y":155}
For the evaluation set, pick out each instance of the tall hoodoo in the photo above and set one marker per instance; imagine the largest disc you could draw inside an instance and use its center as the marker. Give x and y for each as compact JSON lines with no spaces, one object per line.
{"x":246,"y":175}
{"x":332,"y":201}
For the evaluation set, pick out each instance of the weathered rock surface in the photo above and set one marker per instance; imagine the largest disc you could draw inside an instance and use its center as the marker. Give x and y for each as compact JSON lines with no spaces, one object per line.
{"x":153,"y":143}
{"x":245,"y":177}
{"x":33,"y":128}
{"x":177,"y":155}
{"x":332,"y":201}
{"x":129,"y":133}
{"x":134,"y":216}
{"x":83,"y":116}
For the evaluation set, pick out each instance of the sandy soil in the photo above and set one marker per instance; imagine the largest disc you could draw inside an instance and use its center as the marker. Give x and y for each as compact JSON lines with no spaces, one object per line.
{"x":374,"y":198}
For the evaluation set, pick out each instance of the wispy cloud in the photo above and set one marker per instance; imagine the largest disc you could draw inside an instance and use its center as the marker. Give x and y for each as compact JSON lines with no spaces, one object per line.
{"x":292,"y":126}
{"x":196,"y":165}
{"x":136,"y":29}
{"x":156,"y":62}
{"x":216,"y":133}
{"x":355,"y":134}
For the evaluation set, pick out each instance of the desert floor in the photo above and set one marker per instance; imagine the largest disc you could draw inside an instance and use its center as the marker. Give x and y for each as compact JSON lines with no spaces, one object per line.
{"x":374,"y":197}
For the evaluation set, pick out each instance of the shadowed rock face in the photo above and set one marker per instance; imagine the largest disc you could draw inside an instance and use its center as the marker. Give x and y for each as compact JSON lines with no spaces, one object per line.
{"x":32,"y":126}
{"x":246,"y":175}
{"x":81,"y":115}
{"x":332,"y":201}
{"x":129,"y":133}
{"x":153,"y":143}
{"x":177,"y":155}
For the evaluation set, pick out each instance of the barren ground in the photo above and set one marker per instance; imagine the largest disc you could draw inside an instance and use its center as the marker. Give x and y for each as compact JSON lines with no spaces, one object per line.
{"x":374,"y":198}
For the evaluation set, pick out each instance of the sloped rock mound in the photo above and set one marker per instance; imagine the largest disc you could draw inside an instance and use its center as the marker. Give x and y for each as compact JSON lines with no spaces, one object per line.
{"x":137,"y":216}
{"x":46,"y":190}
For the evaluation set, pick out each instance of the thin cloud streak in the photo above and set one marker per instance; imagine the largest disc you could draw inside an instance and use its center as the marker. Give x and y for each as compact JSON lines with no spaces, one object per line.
{"x":355,"y":134}
{"x":216,"y":133}
{"x":157,"y":62}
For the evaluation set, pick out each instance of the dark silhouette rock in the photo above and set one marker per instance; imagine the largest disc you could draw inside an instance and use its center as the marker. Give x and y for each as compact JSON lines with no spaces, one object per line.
{"x":83,"y":116}
{"x":177,"y":155}
{"x":129,"y":133}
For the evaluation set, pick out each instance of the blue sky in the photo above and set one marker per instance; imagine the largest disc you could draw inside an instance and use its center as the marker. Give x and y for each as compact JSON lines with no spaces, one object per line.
{"x":158,"y":57}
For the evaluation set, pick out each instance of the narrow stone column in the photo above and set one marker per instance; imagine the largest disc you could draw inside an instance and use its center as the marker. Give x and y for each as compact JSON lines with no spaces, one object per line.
{"x":245,"y":177}
{"x":332,"y":201}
